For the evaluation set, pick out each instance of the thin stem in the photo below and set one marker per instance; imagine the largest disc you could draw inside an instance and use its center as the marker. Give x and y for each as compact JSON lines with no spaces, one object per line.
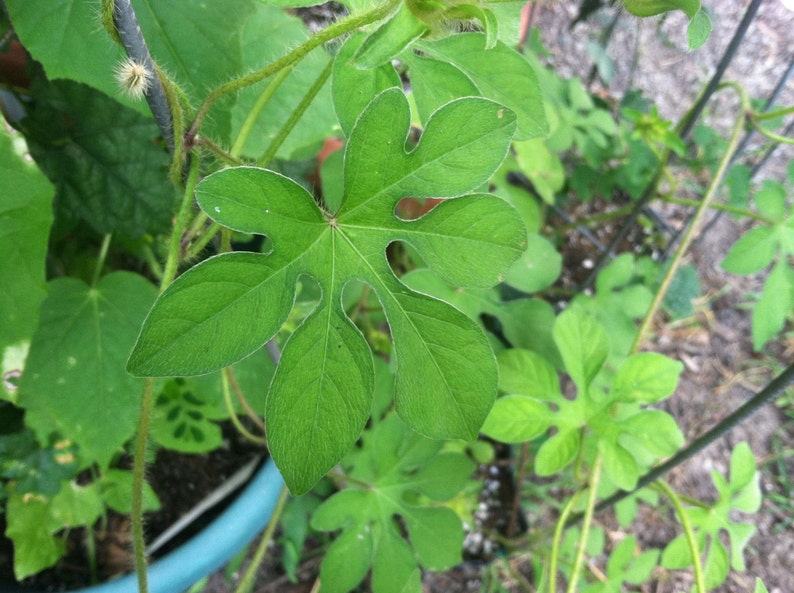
{"x":562,"y":523}
{"x":100,"y":262}
{"x":138,"y":469}
{"x":340,"y":27}
{"x":771,"y":135}
{"x":519,"y":483}
{"x":686,"y":240}
{"x":596,"y":219}
{"x":744,"y":213}
{"x":241,"y":398}
{"x":595,"y":479}
{"x":217,"y":151}
{"x":180,"y":224}
{"x":700,"y":582}
{"x":247,"y":582}
{"x":154,"y":266}
{"x":201,"y":243}
{"x":295,"y":116}
{"x":175,"y":97}
{"x":256,"y":110}
{"x":139,"y":464}
{"x":782,"y":112}
{"x":227,"y":398}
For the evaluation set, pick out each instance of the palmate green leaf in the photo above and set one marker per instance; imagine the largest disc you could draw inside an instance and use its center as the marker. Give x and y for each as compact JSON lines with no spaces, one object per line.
{"x":395,"y":470}
{"x":74,"y":382}
{"x":528,"y":373}
{"x":25,"y":218}
{"x":752,"y":252}
{"x":33,"y":523}
{"x":228,"y":306}
{"x":436,"y":82}
{"x":557,"y":452}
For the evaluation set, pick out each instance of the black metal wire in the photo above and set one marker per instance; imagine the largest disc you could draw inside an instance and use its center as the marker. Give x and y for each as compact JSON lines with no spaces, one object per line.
{"x":774,"y":389}
{"x":688,"y":123}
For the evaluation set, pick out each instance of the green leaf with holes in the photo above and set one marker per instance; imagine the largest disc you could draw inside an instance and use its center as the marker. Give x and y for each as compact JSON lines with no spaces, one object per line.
{"x":320,"y":397}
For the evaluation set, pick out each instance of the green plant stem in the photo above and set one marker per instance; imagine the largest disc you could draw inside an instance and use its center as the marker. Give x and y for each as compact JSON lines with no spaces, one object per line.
{"x":247,"y":582}
{"x":689,"y":533}
{"x":227,"y":398}
{"x":141,"y":439}
{"x":338,"y":28}
{"x":238,"y":393}
{"x":256,"y":110}
{"x":199,"y":245}
{"x":295,"y":116}
{"x":771,"y":135}
{"x":689,"y":235}
{"x":154,"y":266}
{"x":597,"y":219}
{"x":100,"y":262}
{"x":595,"y":479}
{"x":562,"y":523}
{"x":138,"y":470}
{"x":722,"y":207}
{"x":782,"y":112}
{"x":217,"y":151}
{"x":180,"y":224}
{"x":175,"y":97}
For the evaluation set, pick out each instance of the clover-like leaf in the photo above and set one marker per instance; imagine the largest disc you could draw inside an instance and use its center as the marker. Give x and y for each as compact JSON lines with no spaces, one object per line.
{"x":387,"y":473}
{"x":320,"y":397}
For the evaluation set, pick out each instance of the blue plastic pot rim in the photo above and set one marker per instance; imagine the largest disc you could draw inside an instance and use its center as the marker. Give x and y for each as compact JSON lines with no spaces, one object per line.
{"x":209,"y":550}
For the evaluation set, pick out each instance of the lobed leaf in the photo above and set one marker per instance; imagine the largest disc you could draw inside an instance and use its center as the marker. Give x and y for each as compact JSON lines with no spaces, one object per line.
{"x":228,"y":306}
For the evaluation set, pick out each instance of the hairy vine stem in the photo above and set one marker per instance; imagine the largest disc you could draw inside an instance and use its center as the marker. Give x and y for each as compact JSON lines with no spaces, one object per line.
{"x":292,"y":121}
{"x":337,"y":29}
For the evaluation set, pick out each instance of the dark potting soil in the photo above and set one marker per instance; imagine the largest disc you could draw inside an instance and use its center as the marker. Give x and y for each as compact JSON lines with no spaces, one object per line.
{"x":180,"y":480}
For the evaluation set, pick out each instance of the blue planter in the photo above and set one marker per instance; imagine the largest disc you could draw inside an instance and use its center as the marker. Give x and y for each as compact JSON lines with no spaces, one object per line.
{"x":209,"y":550}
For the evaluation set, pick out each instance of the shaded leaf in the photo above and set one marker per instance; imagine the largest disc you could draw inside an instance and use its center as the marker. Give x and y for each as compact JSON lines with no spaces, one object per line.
{"x":78,"y":352}
{"x":25,"y":219}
